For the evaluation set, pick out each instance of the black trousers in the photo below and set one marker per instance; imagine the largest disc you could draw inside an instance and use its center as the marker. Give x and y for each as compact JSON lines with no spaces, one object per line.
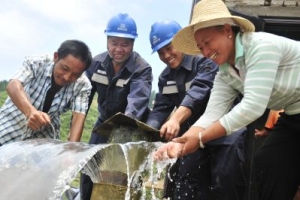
{"x":213,"y":173}
{"x":227,"y":166}
{"x":189,"y":177}
{"x":277,"y":162}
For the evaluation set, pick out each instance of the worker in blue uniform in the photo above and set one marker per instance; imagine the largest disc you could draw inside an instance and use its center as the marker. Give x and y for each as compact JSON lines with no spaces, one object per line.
{"x":184,"y":85}
{"x":122,"y":80}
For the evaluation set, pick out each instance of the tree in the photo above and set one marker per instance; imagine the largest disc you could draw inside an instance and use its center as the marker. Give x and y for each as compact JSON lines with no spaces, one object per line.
{"x":3,"y":85}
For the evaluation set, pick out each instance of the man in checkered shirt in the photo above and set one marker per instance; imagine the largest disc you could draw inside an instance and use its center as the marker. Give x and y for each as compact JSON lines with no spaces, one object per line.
{"x":42,"y":90}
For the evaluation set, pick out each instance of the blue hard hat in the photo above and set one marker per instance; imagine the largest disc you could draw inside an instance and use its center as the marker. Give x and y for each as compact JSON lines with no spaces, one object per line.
{"x":121,"y":25}
{"x":162,"y":33}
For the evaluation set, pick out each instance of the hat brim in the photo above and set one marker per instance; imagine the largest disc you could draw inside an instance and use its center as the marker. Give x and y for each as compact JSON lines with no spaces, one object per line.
{"x":161,"y":45}
{"x":122,"y":35}
{"x":184,"y":40}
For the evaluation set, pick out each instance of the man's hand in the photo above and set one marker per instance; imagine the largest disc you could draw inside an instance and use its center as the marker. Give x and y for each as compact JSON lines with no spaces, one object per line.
{"x":261,"y":133}
{"x":36,"y":119}
{"x":170,"y":129}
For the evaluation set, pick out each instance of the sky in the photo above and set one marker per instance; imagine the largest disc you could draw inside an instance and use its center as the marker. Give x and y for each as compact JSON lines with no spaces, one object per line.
{"x":39,"y":27}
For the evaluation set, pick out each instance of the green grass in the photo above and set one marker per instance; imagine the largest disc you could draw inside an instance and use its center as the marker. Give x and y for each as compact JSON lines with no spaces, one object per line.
{"x":3,"y":96}
{"x":88,"y":124}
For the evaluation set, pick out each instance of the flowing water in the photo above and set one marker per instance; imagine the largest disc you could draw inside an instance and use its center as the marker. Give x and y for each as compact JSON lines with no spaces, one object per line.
{"x":44,"y":169}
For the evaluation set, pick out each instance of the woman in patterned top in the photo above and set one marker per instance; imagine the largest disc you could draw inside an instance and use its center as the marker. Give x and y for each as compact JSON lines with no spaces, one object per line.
{"x":265,"y":68}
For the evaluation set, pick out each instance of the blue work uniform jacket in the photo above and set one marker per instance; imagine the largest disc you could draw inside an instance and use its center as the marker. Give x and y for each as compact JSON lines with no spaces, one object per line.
{"x":128,"y":91}
{"x":189,"y":85}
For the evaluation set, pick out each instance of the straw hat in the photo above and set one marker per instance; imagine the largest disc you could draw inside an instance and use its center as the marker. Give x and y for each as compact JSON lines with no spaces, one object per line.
{"x":207,"y":13}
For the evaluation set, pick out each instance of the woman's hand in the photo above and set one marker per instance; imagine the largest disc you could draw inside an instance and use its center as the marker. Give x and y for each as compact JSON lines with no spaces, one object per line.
{"x":168,"y":150}
{"x":190,"y":140}
{"x":178,"y":147}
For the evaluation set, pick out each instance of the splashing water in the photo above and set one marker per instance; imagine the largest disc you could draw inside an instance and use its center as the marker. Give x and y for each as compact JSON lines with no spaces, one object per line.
{"x":44,"y":168}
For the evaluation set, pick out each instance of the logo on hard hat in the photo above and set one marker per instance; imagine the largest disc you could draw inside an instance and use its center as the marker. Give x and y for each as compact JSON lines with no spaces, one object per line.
{"x":122,"y":27}
{"x":155,"y":39}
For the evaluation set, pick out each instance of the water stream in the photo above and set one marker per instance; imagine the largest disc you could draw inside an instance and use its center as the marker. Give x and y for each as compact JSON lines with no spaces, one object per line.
{"x":44,"y":169}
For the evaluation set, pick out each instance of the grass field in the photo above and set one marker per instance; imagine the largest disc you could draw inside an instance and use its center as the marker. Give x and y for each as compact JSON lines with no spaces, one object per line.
{"x":88,"y":124}
{"x":3,"y":96}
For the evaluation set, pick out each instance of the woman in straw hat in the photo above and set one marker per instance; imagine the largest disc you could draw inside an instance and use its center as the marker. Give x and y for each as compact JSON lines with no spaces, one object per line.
{"x":265,"y":68}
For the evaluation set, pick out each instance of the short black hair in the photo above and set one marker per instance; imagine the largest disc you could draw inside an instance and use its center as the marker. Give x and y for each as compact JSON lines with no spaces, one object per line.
{"x":76,"y":48}
{"x":235,"y":29}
